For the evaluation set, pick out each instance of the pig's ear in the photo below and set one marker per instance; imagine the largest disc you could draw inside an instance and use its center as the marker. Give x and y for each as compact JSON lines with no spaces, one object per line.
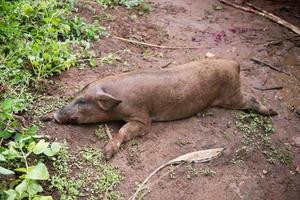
{"x":107,"y":101}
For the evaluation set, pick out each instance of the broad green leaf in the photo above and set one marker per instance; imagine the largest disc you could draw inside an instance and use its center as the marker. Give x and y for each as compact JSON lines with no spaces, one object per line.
{"x":32,"y":130}
{"x":21,"y":169}
{"x":34,"y":187}
{"x":38,"y":172}
{"x":54,"y":149}
{"x":31,"y":146}
{"x":7,"y":105}
{"x":11,"y":152}
{"x":40,"y":147}
{"x":11,"y":194}
{"x":43,"y":198}
{"x":22,"y":187}
{"x":5,"y":171}
{"x":93,"y":62}
{"x":2,"y":158}
{"x":5,"y":134}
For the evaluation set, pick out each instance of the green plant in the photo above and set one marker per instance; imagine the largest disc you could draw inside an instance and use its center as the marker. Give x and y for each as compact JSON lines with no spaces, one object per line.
{"x":110,"y":58}
{"x":35,"y":43}
{"x":256,"y":136}
{"x":181,"y":142}
{"x":194,"y":172}
{"x":127,"y":3}
{"x":100,"y":132}
{"x":27,"y":175}
{"x":93,"y":177}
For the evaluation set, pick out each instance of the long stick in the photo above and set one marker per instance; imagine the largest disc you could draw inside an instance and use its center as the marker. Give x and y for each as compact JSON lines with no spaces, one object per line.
{"x":268,"y":65}
{"x":261,"y":12}
{"x":152,"y":45}
{"x":269,"y":88}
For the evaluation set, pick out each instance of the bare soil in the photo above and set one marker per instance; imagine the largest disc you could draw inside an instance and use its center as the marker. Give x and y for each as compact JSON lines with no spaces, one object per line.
{"x":225,"y":32}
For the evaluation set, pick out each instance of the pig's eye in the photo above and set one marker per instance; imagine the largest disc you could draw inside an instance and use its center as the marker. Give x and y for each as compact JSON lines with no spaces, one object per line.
{"x":81,"y":102}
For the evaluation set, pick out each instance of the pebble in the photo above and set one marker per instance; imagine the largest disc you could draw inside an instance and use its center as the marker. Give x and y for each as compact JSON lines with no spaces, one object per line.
{"x":209,"y":55}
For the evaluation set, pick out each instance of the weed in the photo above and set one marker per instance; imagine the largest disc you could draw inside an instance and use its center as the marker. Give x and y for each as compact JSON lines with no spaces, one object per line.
{"x":144,"y":8}
{"x":100,"y":132}
{"x":194,"y":172}
{"x":110,"y":58}
{"x":172,"y":172}
{"x":68,"y":187}
{"x":134,"y":142}
{"x":256,"y":136}
{"x":181,"y":142}
{"x":94,"y":178}
{"x":127,"y":3}
{"x":105,"y":16}
{"x":227,"y":136}
{"x":207,"y":172}
{"x":45,"y":104}
{"x":93,"y":156}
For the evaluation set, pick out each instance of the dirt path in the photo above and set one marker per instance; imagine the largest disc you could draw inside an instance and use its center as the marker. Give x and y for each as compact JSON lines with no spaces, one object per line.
{"x":225,"y":32}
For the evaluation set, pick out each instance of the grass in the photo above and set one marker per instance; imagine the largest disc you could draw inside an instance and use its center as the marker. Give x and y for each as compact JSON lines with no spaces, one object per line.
{"x":194,"y":172}
{"x":180,"y":142}
{"x":84,"y":173}
{"x":256,"y":132}
{"x":37,"y":41}
{"x":101,"y":134}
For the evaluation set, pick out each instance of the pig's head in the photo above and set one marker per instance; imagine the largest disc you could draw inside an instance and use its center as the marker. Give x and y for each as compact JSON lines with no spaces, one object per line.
{"x":91,"y":105}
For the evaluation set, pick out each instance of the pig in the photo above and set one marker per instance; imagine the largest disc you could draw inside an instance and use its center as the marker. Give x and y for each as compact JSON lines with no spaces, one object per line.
{"x":141,"y":97}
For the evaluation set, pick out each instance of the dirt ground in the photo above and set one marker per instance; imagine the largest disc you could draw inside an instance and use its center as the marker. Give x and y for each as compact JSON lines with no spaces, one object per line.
{"x":225,"y":32}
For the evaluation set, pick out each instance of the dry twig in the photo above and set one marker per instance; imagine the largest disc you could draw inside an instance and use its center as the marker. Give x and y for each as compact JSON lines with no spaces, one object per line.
{"x":261,"y":12}
{"x":108,"y":132}
{"x":268,"y":65}
{"x":166,"y":65}
{"x":152,"y":45}
{"x":269,"y":88}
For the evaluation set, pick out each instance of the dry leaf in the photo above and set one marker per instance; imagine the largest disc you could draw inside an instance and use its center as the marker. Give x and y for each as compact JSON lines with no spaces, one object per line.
{"x":193,"y":157}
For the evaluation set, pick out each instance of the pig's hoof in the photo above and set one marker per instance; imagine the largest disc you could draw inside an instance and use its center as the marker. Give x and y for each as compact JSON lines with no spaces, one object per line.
{"x":109,"y":151}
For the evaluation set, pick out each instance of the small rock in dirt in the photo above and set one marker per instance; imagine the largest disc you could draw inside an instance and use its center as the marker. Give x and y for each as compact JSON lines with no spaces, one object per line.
{"x":209,"y":55}
{"x":264,"y":172}
{"x":288,"y":146}
{"x":47,"y":117}
{"x":298,"y":169}
{"x":296,"y":141}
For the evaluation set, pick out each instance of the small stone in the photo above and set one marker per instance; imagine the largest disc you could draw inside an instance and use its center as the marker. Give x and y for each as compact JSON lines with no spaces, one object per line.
{"x":264,"y":172}
{"x":298,"y":169}
{"x":296,"y":141}
{"x":209,"y":55}
{"x":288,"y":146}
{"x":47,"y":117}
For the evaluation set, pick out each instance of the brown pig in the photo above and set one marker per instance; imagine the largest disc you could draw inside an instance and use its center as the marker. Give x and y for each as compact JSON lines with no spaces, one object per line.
{"x":141,"y":97}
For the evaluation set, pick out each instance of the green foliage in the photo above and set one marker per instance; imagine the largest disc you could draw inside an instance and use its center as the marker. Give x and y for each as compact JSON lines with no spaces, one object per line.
{"x":15,"y":161}
{"x":181,"y":142}
{"x":127,"y":3}
{"x":85,"y":173}
{"x":194,"y":172}
{"x":256,"y":136}
{"x":36,"y":39}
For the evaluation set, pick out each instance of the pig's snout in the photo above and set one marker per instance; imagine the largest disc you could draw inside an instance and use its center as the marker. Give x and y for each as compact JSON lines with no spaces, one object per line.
{"x":63,"y":116}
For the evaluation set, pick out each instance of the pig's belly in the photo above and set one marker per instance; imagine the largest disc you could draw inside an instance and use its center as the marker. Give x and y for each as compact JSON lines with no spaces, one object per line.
{"x":176,"y":112}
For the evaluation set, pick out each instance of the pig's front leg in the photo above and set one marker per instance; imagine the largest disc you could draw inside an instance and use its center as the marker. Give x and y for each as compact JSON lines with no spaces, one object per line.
{"x":129,"y":131}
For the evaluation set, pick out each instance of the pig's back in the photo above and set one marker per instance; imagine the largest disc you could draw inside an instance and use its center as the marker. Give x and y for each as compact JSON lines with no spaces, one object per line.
{"x":176,"y":92}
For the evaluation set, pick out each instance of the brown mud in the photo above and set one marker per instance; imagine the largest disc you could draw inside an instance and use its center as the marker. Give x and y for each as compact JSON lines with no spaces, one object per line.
{"x":225,"y":32}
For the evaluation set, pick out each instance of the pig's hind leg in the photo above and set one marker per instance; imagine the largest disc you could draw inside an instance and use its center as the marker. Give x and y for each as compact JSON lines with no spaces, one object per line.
{"x":249,"y":102}
{"x":127,"y":132}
